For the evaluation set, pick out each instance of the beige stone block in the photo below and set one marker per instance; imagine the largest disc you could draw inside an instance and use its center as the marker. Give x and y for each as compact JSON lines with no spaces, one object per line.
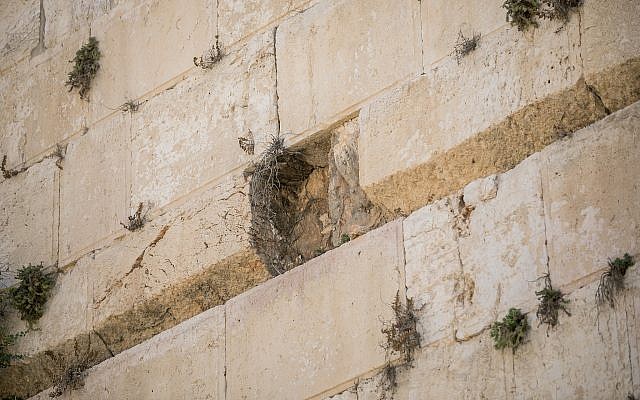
{"x":502,"y":249}
{"x":433,"y":269}
{"x":145,"y":46}
{"x":611,"y":37}
{"x":453,"y":102}
{"x":186,"y":361}
{"x":188,"y":136}
{"x":94,"y":187}
{"x":19,"y":30}
{"x":38,"y":109}
{"x":239,"y":20}
{"x":336,"y":55}
{"x":443,"y":20}
{"x":591,"y":196}
{"x":28,"y":218}
{"x":316,"y":326}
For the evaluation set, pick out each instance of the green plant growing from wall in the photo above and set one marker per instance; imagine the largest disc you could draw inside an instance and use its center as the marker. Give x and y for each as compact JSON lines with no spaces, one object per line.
{"x":85,"y":67}
{"x":522,"y":13}
{"x":550,"y":302}
{"x":612,"y":280}
{"x":511,"y":332}
{"x":6,"y":341}
{"x":32,"y":292}
{"x":559,"y":9}
{"x":71,"y":379}
{"x":136,"y":221}
{"x":344,"y":238}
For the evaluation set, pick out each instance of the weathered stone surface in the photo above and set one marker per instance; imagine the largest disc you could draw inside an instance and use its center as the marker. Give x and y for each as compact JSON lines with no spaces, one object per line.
{"x":502,"y":249}
{"x":591,"y":195}
{"x":337,"y":54}
{"x":444,"y":20}
{"x":38,"y":110}
{"x":611,"y":37}
{"x":187,"y":360}
{"x":94,"y":187}
{"x":433,"y":269}
{"x":19,"y":30}
{"x":147,"y":45}
{"x":188,"y":136}
{"x":430,"y":119}
{"x":318,"y":325}
{"x":28,"y":219}
{"x":239,"y":20}
{"x":586,"y":356}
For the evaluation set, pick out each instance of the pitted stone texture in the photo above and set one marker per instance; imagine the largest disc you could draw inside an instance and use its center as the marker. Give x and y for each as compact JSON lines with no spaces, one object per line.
{"x":592,"y":196}
{"x":38,"y":109}
{"x":147,"y":45}
{"x":28,"y":218}
{"x":186,"y":361}
{"x":188,"y":135}
{"x":431,"y":115}
{"x":433,"y":270}
{"x":503,"y":249}
{"x":318,"y":325}
{"x":19,"y":30}
{"x":240,"y":19}
{"x":337,"y":54}
{"x":444,"y":20}
{"x":94,"y":187}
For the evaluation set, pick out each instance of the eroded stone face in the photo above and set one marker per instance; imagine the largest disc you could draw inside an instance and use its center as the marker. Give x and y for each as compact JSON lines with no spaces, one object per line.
{"x":19,"y":30}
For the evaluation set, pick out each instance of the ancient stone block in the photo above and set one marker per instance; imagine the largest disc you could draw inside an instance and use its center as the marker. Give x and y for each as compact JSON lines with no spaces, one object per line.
{"x":336,"y":55}
{"x":19,"y":30}
{"x":319,"y":325}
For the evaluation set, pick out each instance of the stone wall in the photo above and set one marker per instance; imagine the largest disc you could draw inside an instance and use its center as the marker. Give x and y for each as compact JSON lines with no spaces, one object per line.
{"x":458,"y":182}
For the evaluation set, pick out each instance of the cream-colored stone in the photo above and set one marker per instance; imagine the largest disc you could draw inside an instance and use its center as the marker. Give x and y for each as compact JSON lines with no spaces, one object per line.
{"x":316,"y":326}
{"x":186,"y":361}
{"x":19,"y":30}
{"x":241,"y":19}
{"x":591,"y":195}
{"x":28,"y":218}
{"x":147,"y":45}
{"x":187,"y":136}
{"x":504,"y":251}
{"x":444,"y":20}
{"x":610,"y":33}
{"x":480,"y":190}
{"x":453,"y":102}
{"x":38,"y":109}
{"x":94,"y":187}
{"x":433,"y":270}
{"x":337,"y":54}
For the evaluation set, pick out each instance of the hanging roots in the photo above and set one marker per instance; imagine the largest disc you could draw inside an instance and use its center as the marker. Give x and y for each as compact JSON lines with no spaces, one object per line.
{"x":275,"y":181}
{"x":465,"y":45}
{"x":612,"y":280}
{"x":551,"y":301}
{"x":136,"y":221}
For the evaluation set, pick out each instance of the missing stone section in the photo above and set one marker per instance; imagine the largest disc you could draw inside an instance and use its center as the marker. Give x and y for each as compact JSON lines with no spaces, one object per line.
{"x":305,"y":199}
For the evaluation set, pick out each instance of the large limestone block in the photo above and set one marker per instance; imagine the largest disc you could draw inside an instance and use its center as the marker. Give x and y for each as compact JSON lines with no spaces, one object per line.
{"x":147,"y":45}
{"x":444,"y":20}
{"x":462,"y":121}
{"x":181,"y":263}
{"x":433,"y":269}
{"x":337,"y":54}
{"x":592,"y":196}
{"x":317,"y":326}
{"x":187,"y":361}
{"x":28,"y":219}
{"x":502,"y":248}
{"x":611,"y":37}
{"x":19,"y":30}
{"x":38,"y":109}
{"x":188,"y":136}
{"x":241,"y":19}
{"x":94,"y":187}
